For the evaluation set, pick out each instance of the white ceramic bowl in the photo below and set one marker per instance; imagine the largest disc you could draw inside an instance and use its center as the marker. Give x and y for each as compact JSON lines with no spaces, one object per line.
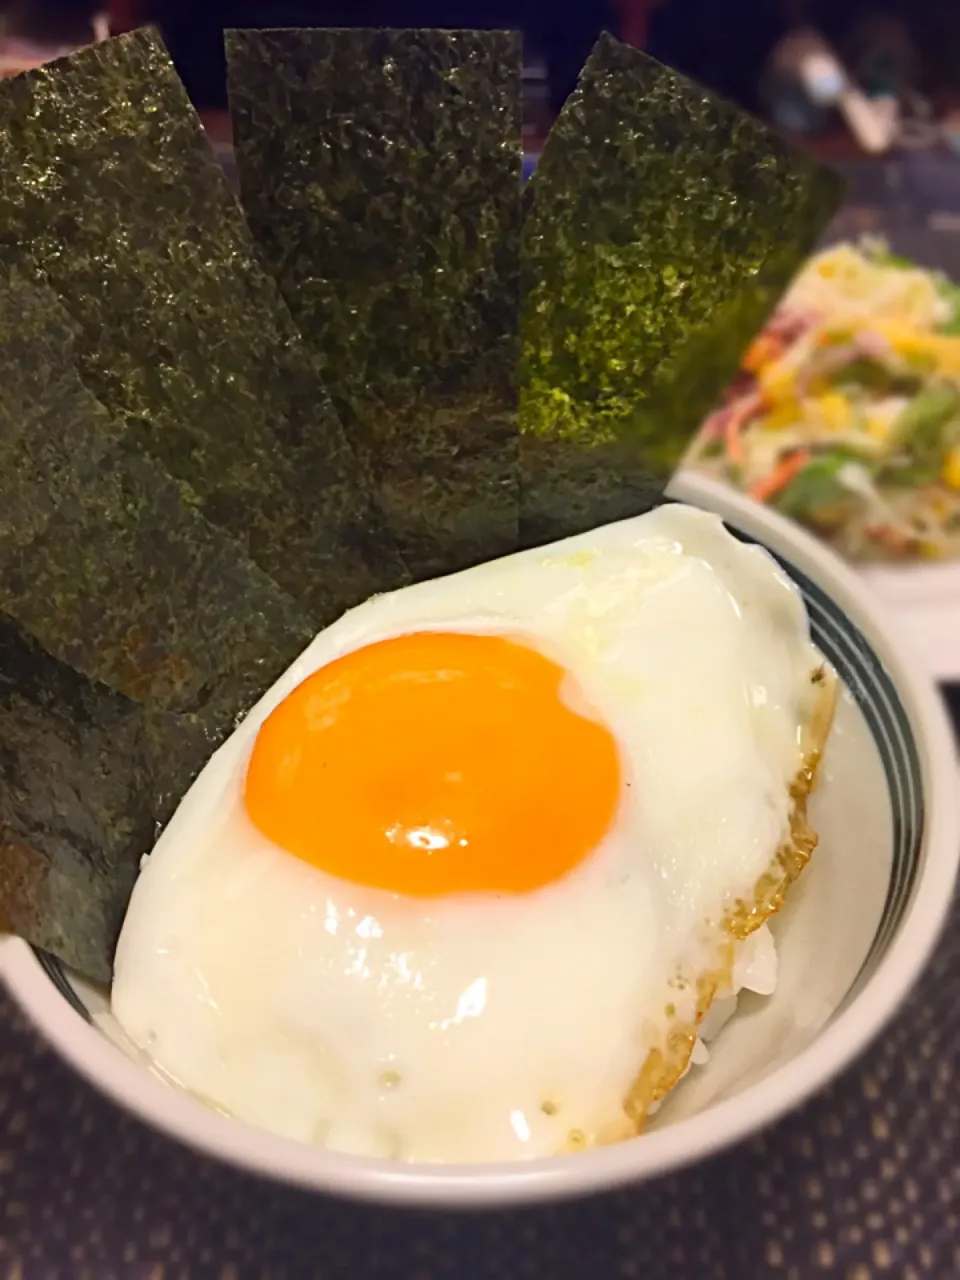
{"x":852,"y":940}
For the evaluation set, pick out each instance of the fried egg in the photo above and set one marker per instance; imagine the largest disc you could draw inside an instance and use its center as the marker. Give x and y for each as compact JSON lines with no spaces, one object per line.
{"x":464,"y":882}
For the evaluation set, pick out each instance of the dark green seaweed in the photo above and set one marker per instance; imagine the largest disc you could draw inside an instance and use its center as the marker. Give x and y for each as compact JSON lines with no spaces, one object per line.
{"x":133,"y":634}
{"x":661,"y":227}
{"x":380,"y":172}
{"x":104,"y":558}
{"x":109,"y":187}
{"x":86,"y":778}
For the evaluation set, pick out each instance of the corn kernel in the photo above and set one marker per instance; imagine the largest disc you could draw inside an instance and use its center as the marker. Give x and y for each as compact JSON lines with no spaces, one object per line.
{"x":782,"y":416}
{"x":777,"y":384}
{"x":835,"y":411}
{"x":951,"y":468}
{"x":942,"y":349}
{"x":930,"y":550}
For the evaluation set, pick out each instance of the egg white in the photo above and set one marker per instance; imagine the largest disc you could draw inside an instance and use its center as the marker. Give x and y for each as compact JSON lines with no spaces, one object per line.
{"x":491,"y":1027}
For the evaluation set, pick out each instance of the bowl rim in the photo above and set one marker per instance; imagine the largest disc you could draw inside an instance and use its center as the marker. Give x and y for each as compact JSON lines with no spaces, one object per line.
{"x":498,"y":1185}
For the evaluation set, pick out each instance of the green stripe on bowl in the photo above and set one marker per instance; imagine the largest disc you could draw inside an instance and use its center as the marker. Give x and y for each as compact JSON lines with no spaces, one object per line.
{"x":860,"y":669}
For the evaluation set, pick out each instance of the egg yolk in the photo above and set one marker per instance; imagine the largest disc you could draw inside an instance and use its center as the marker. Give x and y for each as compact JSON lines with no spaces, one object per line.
{"x":436,"y":763}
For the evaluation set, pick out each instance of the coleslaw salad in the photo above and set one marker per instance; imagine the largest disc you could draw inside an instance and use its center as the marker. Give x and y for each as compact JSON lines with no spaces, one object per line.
{"x":846,"y":412}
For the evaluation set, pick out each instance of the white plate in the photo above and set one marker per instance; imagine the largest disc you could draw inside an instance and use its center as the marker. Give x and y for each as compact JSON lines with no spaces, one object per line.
{"x":925,"y":601}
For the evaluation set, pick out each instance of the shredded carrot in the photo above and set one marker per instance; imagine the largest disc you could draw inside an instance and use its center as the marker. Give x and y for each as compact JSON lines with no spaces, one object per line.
{"x":764,"y":349}
{"x":891,"y":538}
{"x":769,"y":486}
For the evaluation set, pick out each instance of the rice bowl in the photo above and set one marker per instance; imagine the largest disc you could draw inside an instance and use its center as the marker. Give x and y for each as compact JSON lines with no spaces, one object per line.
{"x":840,"y":977}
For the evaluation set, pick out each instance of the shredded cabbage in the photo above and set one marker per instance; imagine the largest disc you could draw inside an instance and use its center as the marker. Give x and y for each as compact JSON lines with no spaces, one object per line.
{"x":846,"y":414}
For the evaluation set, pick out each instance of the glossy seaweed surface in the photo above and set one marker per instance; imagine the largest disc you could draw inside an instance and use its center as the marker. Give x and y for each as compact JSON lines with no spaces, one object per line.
{"x":661,"y":226}
{"x":109,"y":187}
{"x":380,"y":171}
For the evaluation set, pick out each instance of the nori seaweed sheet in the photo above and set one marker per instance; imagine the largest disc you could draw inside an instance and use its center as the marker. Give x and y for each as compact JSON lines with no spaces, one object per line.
{"x":121,"y":608}
{"x":86,"y":778}
{"x":103,"y":557}
{"x":660,"y":228}
{"x":109,"y":186}
{"x":381,"y":174}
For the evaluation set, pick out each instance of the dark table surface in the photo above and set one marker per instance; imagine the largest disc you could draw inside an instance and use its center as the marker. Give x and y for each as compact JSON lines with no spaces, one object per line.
{"x":863,"y":1182}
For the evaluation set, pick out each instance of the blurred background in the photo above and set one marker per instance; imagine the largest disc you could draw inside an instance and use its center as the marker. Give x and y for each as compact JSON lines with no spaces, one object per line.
{"x":747,"y":50}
